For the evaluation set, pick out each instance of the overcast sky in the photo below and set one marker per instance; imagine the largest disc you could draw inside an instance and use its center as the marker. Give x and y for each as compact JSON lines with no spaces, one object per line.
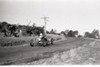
{"x":82,"y":15}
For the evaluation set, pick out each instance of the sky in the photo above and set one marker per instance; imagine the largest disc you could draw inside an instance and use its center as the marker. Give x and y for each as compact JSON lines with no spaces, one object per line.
{"x":81,"y":15}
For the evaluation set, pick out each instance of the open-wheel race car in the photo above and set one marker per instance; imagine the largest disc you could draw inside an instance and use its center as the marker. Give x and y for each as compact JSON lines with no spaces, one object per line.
{"x":44,"y":41}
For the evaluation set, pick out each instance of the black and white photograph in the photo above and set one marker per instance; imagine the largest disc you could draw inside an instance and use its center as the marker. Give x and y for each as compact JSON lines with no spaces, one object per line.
{"x":49,"y":32}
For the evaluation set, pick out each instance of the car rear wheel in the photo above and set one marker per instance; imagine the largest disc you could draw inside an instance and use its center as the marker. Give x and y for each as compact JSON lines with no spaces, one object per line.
{"x":31,"y":44}
{"x":44,"y":43}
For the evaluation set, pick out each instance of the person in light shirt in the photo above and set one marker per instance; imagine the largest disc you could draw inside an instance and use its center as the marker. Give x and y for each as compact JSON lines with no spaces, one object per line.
{"x":40,"y":37}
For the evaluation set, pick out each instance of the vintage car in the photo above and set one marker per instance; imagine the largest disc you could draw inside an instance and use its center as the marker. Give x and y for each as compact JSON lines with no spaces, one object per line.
{"x":44,"y":41}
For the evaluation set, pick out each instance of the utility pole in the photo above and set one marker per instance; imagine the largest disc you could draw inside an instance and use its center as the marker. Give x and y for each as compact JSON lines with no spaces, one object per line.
{"x":28,"y":22}
{"x":45,"y":21}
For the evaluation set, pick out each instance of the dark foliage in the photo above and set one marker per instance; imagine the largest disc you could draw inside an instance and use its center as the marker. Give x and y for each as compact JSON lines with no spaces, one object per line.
{"x":14,"y":30}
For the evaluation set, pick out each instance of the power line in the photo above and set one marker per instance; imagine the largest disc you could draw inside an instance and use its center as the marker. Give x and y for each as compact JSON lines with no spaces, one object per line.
{"x":45,"y":21}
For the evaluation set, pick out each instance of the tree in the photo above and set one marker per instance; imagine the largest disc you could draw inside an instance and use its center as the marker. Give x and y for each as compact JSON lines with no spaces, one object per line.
{"x":62,"y":32}
{"x":87,"y":34}
{"x":53,"y":31}
{"x":79,"y":36}
{"x":71,"y":34}
{"x":47,"y":32}
{"x":12,"y":29}
{"x":4,"y":27}
{"x":66,"y":32}
{"x":95,"y":33}
{"x":75,"y":33}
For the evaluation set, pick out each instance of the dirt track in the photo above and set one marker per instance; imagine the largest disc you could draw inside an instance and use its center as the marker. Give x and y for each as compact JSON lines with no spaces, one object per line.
{"x":17,"y":55}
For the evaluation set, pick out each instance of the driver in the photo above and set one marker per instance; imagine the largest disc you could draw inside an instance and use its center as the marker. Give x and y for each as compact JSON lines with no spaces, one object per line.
{"x":40,"y":37}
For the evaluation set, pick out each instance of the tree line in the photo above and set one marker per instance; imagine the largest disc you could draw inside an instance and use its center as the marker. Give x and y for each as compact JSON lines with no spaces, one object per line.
{"x":14,"y":30}
{"x":25,"y":30}
{"x":70,"y":33}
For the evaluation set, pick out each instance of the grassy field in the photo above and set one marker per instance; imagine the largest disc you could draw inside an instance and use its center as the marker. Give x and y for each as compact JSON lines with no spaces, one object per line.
{"x":13,"y":41}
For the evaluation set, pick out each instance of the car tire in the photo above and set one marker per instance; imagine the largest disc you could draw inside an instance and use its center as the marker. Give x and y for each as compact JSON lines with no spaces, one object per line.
{"x":31,"y":44}
{"x":44,"y":43}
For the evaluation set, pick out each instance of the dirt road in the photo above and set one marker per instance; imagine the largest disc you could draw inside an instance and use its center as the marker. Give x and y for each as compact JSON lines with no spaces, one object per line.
{"x":19,"y":54}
